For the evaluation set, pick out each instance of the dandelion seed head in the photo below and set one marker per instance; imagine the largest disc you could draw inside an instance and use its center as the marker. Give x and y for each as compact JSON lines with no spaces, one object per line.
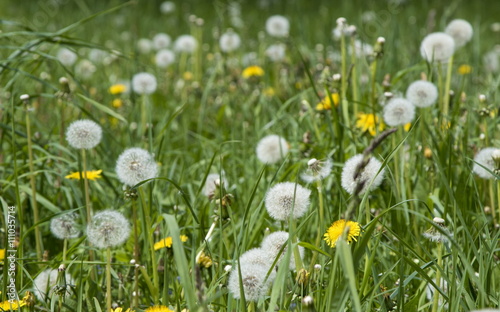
{"x":399,"y":112}
{"x":254,"y":281}
{"x":461,"y":31}
{"x":437,"y":47}
{"x":286,"y":198}
{"x":422,"y":93}
{"x":144,"y":45}
{"x":67,"y":57}
{"x":277,"y":26}
{"x":317,"y":170}
{"x":276,"y":52}
{"x":43,"y":284}
{"x":164,"y":58}
{"x":84,"y":134}
{"x":271,"y":149}
{"x":229,"y":41}
{"x":485,"y":159}
{"x":161,"y":41}
{"x":272,"y":245}
{"x":167,"y":7}
{"x":255,"y":256}
{"x":185,"y":44}
{"x":108,"y":228}
{"x":212,"y":182}
{"x":135,"y":165}
{"x":144,"y":83}
{"x":65,"y":226}
{"x":366,"y":176}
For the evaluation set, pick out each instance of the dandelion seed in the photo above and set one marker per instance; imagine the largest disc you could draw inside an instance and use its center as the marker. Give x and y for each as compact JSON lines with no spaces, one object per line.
{"x":135,"y":165}
{"x":370,"y":123}
{"x":399,"y":112}
{"x":253,"y":71}
{"x":185,"y":44}
{"x":422,"y":93}
{"x":276,"y":52}
{"x":108,"y":228}
{"x":164,"y":58}
{"x":65,"y":226}
{"x":158,"y":308}
{"x":317,"y":170}
{"x":352,"y":230}
{"x":90,"y":175}
{"x":326,"y":102}
{"x":485,"y":164}
{"x":83,"y":134}
{"x":66,"y":57}
{"x":287,"y":199}
{"x":273,"y":244}
{"x":461,"y":31}
{"x":366,"y":176}
{"x":277,"y":26}
{"x":271,"y":149}
{"x":144,"y":83}
{"x":161,"y":41}
{"x":167,"y":242}
{"x":253,"y":277}
{"x":229,"y":41}
{"x":437,"y":47}
{"x":44,"y":284}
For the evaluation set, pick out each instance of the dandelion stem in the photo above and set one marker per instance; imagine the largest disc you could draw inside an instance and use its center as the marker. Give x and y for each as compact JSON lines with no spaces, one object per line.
{"x":319,"y":187}
{"x":343,"y":86}
{"x":108,"y":279}
{"x":446,"y":95}
{"x":435,"y":302}
{"x":136,"y":255}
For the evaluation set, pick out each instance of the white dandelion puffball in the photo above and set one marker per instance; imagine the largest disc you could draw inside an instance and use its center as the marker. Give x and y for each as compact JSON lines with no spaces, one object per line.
{"x":98,"y":56}
{"x":186,"y":44}
{"x":422,"y":93}
{"x":144,"y":45}
{"x":361,"y":49}
{"x":276,"y":52}
{"x":65,"y":226}
{"x":164,"y":58}
{"x":286,"y":198}
{"x":211,"y":183}
{"x":135,"y":165}
{"x":108,"y":228}
{"x":461,"y":31}
{"x":485,"y":159}
{"x":83,"y":133}
{"x":85,"y":69}
{"x":272,"y":245}
{"x":43,"y":284}
{"x":161,"y":41}
{"x":66,"y":57}
{"x":255,"y":256}
{"x":271,"y":149}
{"x":253,"y":277}
{"x":317,"y":170}
{"x":277,"y":26}
{"x":144,"y":83}
{"x":368,"y":174}
{"x":229,"y":41}
{"x":167,"y":7}
{"x":399,"y":112}
{"x":437,"y":47}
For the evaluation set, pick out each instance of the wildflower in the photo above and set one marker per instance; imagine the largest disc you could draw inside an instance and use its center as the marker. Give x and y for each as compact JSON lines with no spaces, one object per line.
{"x":83,"y":134}
{"x":121,"y":310}
{"x":317,"y":170}
{"x":273,"y":244}
{"x":326,"y":102}
{"x":435,"y":235}
{"x":254,"y":282}
{"x":2,"y":254}
{"x":287,"y":199}
{"x":367,"y":176}
{"x":161,"y":41}
{"x":277,"y":26}
{"x":369,"y":122}
{"x":256,"y":256}
{"x":144,"y":45}
{"x":204,"y":260}
{"x":307,"y":301}
{"x":269,"y":91}
{"x":185,"y":44}
{"x":484,"y":163}
{"x":212,"y":182}
{"x":464,"y":69}
{"x":8,"y":305}
{"x":135,"y":165}
{"x":437,"y":47}
{"x":253,"y":71}
{"x":398,"y":112}
{"x":427,"y":153}
{"x":164,"y":58}
{"x":158,"y":308}
{"x":352,"y":230}
{"x":44,"y":284}
{"x":144,"y":83}
{"x":118,"y":88}
{"x":117,"y":103}
{"x":108,"y":228}
{"x":167,"y":242}
{"x":64,"y":226}
{"x":229,"y":41}
{"x":461,"y":31}
{"x":422,"y":93}
{"x":271,"y":149}
{"x":276,"y":52}
{"x":85,"y":69}
{"x":167,"y":7}
{"x":91,"y":175}
{"x":66,"y":57}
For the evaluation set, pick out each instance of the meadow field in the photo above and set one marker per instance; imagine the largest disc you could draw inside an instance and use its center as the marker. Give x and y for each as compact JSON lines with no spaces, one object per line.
{"x":263,"y":155}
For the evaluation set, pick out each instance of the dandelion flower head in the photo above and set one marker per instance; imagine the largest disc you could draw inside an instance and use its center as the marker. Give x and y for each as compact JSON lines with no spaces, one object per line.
{"x":167,"y":7}
{"x":66,"y":57}
{"x":229,"y":41}
{"x":422,"y":93}
{"x":287,"y":199}
{"x":271,"y":149}
{"x":434,"y":235}
{"x":144,"y":45}
{"x":367,"y":175}
{"x":84,"y":134}
{"x":167,"y":242}
{"x":118,"y":88}
{"x":253,"y":277}
{"x":144,"y":83}
{"x":461,"y":31}
{"x":164,"y":58}
{"x":161,"y":41}
{"x":65,"y":226}
{"x":326,"y":102}
{"x":108,"y":228}
{"x":277,"y":26}
{"x":255,"y":256}
{"x":185,"y":44}
{"x":211,"y":184}
{"x":90,"y":175}
{"x":399,"y":112}
{"x":276,"y":52}
{"x":135,"y":165}
{"x":337,"y":229}
{"x":370,"y":123}
{"x":437,"y":47}
{"x":273,"y":244}
{"x":15,"y":304}
{"x":484,"y":161}
{"x":317,"y":170}
{"x":253,"y":71}
{"x":158,"y":308}
{"x":44,"y":283}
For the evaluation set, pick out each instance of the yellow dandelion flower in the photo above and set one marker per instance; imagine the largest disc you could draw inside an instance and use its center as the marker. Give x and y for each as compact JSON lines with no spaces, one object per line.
{"x":338,"y":228}
{"x":2,"y":254}
{"x":253,"y":71}
{"x":464,"y":69}
{"x":117,"y":89}
{"x":407,"y":127}
{"x":269,"y":91}
{"x":326,"y":103}
{"x":158,"y":308}
{"x":187,"y":76}
{"x":427,"y":153}
{"x":122,"y":310}
{"x":167,"y":242}
{"x":204,"y":260}
{"x":369,"y":122}
{"x":8,"y":305}
{"x":117,"y":103}
{"x":91,"y":175}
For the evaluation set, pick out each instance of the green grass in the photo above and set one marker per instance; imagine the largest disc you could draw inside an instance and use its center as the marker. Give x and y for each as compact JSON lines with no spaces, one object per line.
{"x":211,"y":122}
